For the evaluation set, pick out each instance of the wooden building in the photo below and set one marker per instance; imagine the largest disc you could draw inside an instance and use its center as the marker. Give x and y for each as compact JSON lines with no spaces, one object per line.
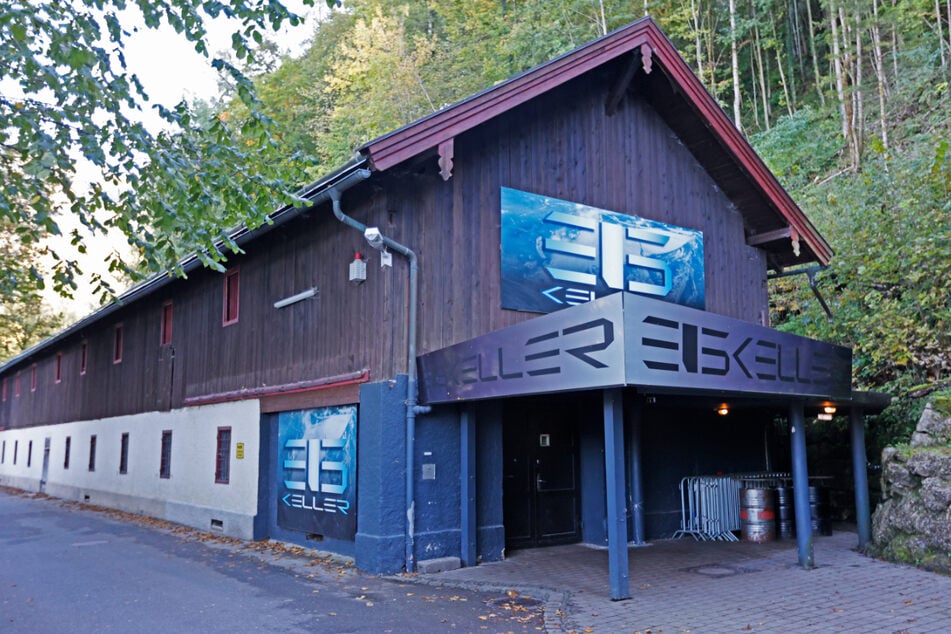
{"x":282,"y":398}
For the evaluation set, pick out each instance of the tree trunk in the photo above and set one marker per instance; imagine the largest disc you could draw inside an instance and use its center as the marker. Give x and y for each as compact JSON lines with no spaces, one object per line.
{"x":937,"y":15}
{"x":736,"y":68}
{"x":879,"y":64}
{"x":858,"y":127}
{"x":695,"y":15}
{"x":815,"y":58}
{"x":844,"y":113}
{"x":779,"y":64}
{"x":758,"y":51}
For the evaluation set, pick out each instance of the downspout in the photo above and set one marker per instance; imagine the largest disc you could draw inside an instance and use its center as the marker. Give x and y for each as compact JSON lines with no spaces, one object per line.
{"x":412,"y":390}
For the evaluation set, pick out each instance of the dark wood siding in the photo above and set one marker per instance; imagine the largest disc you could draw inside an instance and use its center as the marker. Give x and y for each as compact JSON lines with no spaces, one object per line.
{"x":560,"y":145}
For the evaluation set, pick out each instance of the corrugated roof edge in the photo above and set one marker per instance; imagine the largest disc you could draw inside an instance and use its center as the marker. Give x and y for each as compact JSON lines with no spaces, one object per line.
{"x":150,"y":285}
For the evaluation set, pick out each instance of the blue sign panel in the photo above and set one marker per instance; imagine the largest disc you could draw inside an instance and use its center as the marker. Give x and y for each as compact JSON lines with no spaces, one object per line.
{"x":557,"y":253}
{"x":316,"y":474}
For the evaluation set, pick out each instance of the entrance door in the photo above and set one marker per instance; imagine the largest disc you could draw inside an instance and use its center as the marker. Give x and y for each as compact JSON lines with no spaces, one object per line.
{"x":46,"y":464}
{"x":540,"y":486}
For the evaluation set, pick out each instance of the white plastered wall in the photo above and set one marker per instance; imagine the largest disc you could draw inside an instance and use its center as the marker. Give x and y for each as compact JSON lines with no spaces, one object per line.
{"x":189,"y":496}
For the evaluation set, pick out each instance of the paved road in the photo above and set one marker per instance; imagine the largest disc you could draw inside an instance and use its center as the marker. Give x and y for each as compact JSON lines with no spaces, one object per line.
{"x":65,"y":567}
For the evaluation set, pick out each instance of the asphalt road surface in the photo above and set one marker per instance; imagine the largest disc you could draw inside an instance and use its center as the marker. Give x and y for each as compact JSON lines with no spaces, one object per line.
{"x":66,"y":567}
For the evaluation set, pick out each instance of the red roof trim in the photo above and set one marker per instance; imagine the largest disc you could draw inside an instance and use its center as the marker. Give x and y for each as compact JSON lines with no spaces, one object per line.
{"x":428,"y":133}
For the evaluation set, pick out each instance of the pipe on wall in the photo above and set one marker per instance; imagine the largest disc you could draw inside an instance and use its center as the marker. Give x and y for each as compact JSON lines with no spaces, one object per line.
{"x":412,"y":389}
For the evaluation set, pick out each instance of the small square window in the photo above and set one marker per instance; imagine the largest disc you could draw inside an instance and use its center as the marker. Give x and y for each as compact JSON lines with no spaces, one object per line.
{"x":166,"y":337}
{"x":230,"y":302}
{"x":92,"y":452}
{"x":117,"y":344}
{"x":124,"y":454}
{"x":59,"y":367}
{"x":165,"y":466}
{"x":223,"y":456}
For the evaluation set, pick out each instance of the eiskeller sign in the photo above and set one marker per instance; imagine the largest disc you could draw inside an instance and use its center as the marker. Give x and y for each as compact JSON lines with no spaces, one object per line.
{"x":626,"y":339}
{"x":556,"y":253}
{"x":316,"y":471}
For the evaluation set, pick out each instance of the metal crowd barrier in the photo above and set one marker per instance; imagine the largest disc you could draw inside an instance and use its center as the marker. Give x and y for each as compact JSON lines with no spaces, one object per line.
{"x":710,"y":505}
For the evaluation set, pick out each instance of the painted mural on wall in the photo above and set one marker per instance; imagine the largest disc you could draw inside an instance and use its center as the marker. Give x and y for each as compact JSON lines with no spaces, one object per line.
{"x":557,"y":253}
{"x":317,"y":467}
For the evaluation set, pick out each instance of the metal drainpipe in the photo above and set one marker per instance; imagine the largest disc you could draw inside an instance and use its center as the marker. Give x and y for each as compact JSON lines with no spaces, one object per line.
{"x":412,"y":394}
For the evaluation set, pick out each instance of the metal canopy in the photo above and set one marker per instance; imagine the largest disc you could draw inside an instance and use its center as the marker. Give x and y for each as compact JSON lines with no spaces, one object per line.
{"x":631,"y":340}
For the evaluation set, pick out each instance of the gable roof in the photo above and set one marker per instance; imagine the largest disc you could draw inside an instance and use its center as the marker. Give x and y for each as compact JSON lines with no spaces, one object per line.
{"x":774,"y":222}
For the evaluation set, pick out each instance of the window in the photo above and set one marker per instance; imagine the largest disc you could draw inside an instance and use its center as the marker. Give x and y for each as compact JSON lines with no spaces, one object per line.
{"x":92,"y":452}
{"x":29,"y":453}
{"x":166,"y":337}
{"x":59,"y":367}
{"x":229,"y":311}
{"x":165,"y":467}
{"x":124,"y":454}
{"x":69,"y":441}
{"x":33,"y":378}
{"x":117,"y":344}
{"x":83,"y":355}
{"x":223,"y":456}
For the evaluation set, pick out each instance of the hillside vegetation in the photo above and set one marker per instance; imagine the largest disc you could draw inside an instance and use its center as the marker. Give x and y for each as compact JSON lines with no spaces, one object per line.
{"x":848,"y":102}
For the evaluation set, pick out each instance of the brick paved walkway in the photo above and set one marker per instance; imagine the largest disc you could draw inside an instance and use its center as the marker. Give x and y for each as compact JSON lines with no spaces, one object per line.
{"x":685,"y":586}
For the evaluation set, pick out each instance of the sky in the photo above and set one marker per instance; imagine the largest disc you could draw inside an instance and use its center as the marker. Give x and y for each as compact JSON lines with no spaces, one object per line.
{"x":170,"y":70}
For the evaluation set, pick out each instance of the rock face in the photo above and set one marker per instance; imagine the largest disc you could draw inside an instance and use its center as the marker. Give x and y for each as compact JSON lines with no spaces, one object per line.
{"x":913,"y":522}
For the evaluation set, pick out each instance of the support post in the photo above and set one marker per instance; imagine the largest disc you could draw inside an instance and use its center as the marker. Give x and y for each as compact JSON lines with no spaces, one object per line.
{"x":615,"y":479}
{"x":467,"y":473}
{"x":800,"y":476}
{"x":637,"y":483}
{"x":863,"y":517}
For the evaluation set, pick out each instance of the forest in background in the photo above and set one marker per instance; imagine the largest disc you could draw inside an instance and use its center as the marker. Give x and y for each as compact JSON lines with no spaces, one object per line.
{"x":846,"y":100}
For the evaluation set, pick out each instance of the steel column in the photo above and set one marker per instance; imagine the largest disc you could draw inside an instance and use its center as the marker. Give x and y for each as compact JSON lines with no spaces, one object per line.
{"x":615,"y":480}
{"x":800,"y":477}
{"x":863,"y":517}
{"x":467,"y":474}
{"x":637,"y":483}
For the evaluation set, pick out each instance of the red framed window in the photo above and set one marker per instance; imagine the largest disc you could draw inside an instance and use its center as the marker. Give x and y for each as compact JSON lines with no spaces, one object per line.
{"x":33,"y":378}
{"x":16,"y":385}
{"x":223,"y":456}
{"x":83,"y":357}
{"x":59,"y":367}
{"x":165,"y":464}
{"x":117,"y":344}
{"x":231,"y":300}
{"x":166,"y":336}
{"x":124,"y":453}
{"x":69,"y":442}
{"x":92,"y":452}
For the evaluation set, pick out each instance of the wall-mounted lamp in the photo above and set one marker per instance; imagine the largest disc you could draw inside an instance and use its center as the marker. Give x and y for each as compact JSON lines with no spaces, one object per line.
{"x":374,"y":237}
{"x":293,"y":299}
{"x":723,"y":409}
{"x":828,"y":409}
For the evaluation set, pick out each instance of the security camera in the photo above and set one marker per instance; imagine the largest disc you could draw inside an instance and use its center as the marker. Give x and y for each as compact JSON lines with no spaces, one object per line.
{"x":374,"y":237}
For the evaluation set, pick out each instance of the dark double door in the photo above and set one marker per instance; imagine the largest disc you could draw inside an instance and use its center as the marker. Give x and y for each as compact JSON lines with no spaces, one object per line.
{"x":540,"y":473}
